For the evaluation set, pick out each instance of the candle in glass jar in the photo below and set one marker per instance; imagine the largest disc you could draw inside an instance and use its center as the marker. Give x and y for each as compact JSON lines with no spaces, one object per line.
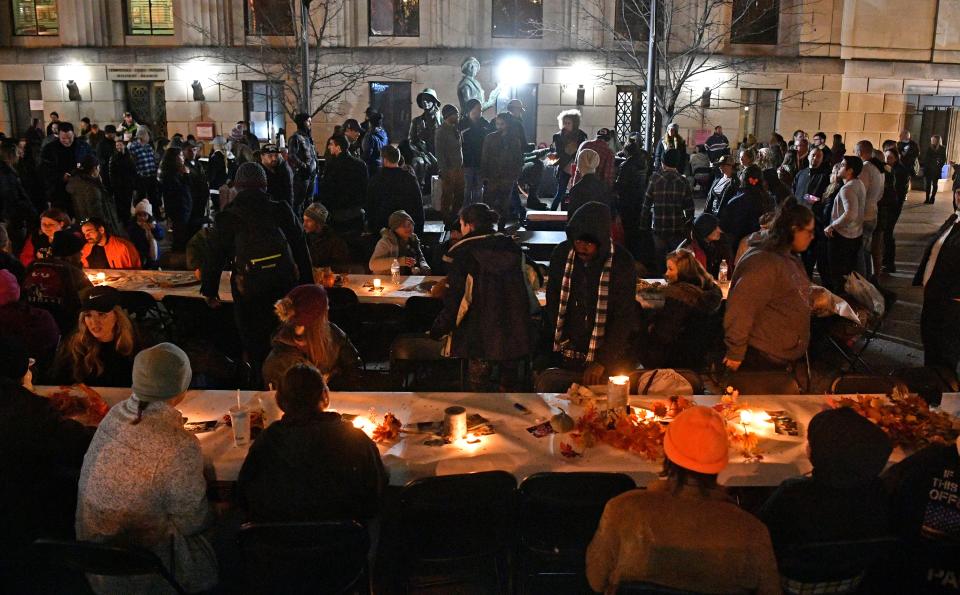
{"x":617,"y":389}
{"x":376,"y":283}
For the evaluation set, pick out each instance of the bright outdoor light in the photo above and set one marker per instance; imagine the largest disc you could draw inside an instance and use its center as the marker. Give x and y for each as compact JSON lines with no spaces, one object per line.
{"x":513,"y":71}
{"x":579,"y":74}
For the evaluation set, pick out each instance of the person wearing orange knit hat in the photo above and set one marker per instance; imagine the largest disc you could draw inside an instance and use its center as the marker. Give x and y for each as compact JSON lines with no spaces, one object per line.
{"x":684,"y":533}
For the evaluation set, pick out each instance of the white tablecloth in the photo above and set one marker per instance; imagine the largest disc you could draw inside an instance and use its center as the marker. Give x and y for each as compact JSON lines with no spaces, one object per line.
{"x":512,"y":448}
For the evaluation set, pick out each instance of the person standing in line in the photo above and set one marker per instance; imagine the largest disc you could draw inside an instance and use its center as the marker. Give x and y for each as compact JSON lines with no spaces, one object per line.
{"x":302,"y":156}
{"x":668,"y":207}
{"x":58,"y":159}
{"x":343,"y":189}
{"x":449,"y":146}
{"x":177,"y":199}
{"x":374,"y":139}
{"x":898,"y":177}
{"x":566,"y":142}
{"x":145,"y":159}
{"x":909,"y":153}
{"x":473,"y":128}
{"x":393,"y":188}
{"x":932,"y":164}
{"x":279,"y":175}
{"x":873,"y":182}
{"x":717,"y":145}
{"x":500,"y":164}
{"x":845,"y":231}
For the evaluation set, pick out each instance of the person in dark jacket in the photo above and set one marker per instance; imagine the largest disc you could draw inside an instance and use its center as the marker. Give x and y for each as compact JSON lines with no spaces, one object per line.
{"x":104,"y":151}
{"x":123,"y":177}
{"x":590,"y":187}
{"x":709,"y":244}
{"x":843,"y":499}
{"x":474,"y":128}
{"x":922,"y":505}
{"x":931,"y":164}
{"x":501,"y":162}
{"x":630,"y":188}
{"x":311,"y":465}
{"x":724,"y":187}
{"x":587,"y":329}
{"x":42,"y":456}
{"x":374,"y":139}
{"x":199,"y":187}
{"x":741,"y":216}
{"x":672,"y":140}
{"x":566,"y":142}
{"x":393,"y":188}
{"x":145,"y":233}
{"x":717,"y":145}
{"x":327,"y":249}
{"x":177,"y":200}
{"x":90,"y":198}
{"x":892,"y":205}
{"x":34,"y":326}
{"x":306,"y":335}
{"x":218,"y":166}
{"x":343,"y":188}
{"x":279,"y":174}
{"x":809,"y":186}
{"x":54,"y":281}
{"x":302,"y":155}
{"x":485,"y":273}
{"x":688,"y":323}
{"x":909,"y":153}
{"x":250,"y":219}
{"x":16,"y":210}
{"x":57,"y":161}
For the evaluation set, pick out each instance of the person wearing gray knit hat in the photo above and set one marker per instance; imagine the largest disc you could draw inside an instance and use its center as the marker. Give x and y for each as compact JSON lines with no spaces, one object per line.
{"x":250,"y":176}
{"x":161,"y":373}
{"x":397,"y":218}
{"x":317,"y":212}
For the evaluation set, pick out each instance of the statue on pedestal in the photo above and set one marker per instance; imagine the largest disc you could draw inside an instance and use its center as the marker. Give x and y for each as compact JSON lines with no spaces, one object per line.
{"x":419,"y":148}
{"x":469,"y":87}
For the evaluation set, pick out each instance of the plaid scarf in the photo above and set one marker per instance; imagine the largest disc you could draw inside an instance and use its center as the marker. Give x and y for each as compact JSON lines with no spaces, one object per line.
{"x":600,"y":322}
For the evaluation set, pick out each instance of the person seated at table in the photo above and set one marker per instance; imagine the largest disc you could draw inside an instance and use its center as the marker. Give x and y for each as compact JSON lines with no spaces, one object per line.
{"x":399,"y":242}
{"x":306,"y":335}
{"x":145,"y":232}
{"x":89,"y":196}
{"x":843,"y":499}
{"x":311,"y":465}
{"x":486,"y":307}
{"x":685,"y":327}
{"x":142,"y":480}
{"x":101,"y":351}
{"x":684,"y":533}
{"x":104,"y":250}
{"x":34,"y":326}
{"x":767,"y":321}
{"x":40,"y":242}
{"x":708,"y":243}
{"x":327,"y":249}
{"x":42,"y":454}
{"x":591,"y":301}
{"x":54,"y":281}
{"x":590,"y":187}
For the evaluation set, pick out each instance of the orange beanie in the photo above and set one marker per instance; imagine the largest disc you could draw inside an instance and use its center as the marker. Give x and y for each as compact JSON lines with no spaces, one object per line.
{"x":697,"y":440}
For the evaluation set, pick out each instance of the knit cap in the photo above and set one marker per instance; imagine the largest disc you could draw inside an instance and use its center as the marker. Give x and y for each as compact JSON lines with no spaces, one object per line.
{"x":588,"y":160}
{"x":317,"y":212}
{"x":697,"y":440}
{"x":705,"y":223}
{"x":9,"y":288}
{"x":144,"y":206}
{"x":397,"y":218}
{"x":250,"y":175}
{"x":448,"y":110}
{"x":309,"y":304}
{"x":161,"y":373}
{"x":846,"y":448}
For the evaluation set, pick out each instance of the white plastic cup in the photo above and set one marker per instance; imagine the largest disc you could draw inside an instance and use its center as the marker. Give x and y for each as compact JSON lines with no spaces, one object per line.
{"x":240,"y":420}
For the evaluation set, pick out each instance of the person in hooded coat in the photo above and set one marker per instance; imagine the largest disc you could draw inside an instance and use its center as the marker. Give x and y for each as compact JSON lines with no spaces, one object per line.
{"x":398,"y":242}
{"x":741,"y":216}
{"x":590,"y":187}
{"x":709,"y":244}
{"x":586,"y":329}
{"x":843,"y":499}
{"x":487,"y":304}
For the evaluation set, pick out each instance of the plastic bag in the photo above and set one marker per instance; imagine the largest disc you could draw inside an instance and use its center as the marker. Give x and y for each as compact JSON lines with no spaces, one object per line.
{"x":663,"y":381}
{"x":865,"y":293}
{"x":825,"y":303}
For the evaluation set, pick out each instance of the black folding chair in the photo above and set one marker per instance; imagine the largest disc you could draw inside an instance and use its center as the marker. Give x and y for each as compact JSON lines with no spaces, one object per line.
{"x":100,"y":559}
{"x":146,"y":311}
{"x":930,"y":382}
{"x":457,"y":529}
{"x":559,"y":514}
{"x":830,"y":567}
{"x":775,"y":382}
{"x":308,"y":557}
{"x":863,"y":383}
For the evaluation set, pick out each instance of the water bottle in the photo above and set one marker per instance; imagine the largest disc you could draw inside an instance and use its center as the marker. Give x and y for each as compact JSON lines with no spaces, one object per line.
{"x":395,"y":272}
{"x":722,"y":277}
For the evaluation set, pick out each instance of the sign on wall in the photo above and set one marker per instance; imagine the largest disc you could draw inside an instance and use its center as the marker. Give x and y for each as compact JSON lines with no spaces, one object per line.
{"x":137,"y":73}
{"x":205,"y":130}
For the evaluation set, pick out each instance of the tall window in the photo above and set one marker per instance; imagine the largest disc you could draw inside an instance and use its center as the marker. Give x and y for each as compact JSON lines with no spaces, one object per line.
{"x":518,"y":18}
{"x":629,"y":114}
{"x":269,"y":17}
{"x":393,"y":100}
{"x":150,"y":17}
{"x":395,"y":18}
{"x":35,"y":17}
{"x":755,"y":22}
{"x":631,"y":20}
{"x":263,"y":104}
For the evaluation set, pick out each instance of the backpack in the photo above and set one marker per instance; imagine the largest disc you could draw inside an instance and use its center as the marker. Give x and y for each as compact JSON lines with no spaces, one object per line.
{"x":49,"y":285}
{"x":263,"y":262}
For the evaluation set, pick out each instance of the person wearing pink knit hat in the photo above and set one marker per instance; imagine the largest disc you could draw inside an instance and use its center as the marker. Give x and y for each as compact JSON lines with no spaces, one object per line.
{"x":684,"y":533}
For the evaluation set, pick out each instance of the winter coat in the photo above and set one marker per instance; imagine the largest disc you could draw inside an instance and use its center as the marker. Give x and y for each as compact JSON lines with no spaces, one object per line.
{"x":614,"y":351}
{"x":590,"y":188}
{"x":342,"y":365}
{"x":280,"y":182}
{"x":370,"y":146}
{"x":502,"y":159}
{"x":57,"y":160}
{"x":217,"y":169}
{"x":42,"y":455}
{"x":909,"y":154}
{"x":199,"y":191}
{"x":793,"y":162}
{"x":933,"y":160}
{"x":768,"y":307}
{"x":607,"y":168}
{"x":311,"y":468}
{"x":449,"y":148}
{"x":35,"y":327}
{"x":121,"y":254}
{"x":327,"y":248}
{"x":138,"y":236}
{"x":90,"y":199}
{"x":177,"y":200}
{"x":123,"y":179}
{"x":685,"y":540}
{"x":473,"y":134}
{"x":630,"y":188}
{"x":390,"y":248}
{"x":302,"y":154}
{"x":143,"y":485}
{"x":741,"y":216}
{"x":566,"y":145}
{"x":721,"y":192}
{"x":487,"y":304}
{"x":343,"y":187}
{"x":680,"y":329}
{"x":394,"y":189}
{"x":812,"y":181}
{"x":666,"y":143}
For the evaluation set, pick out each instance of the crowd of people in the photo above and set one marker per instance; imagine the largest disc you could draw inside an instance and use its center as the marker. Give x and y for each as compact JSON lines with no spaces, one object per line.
{"x":774,"y":216}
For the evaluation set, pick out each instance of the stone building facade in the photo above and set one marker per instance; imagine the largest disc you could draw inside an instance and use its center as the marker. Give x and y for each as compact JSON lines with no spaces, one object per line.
{"x":861,"y":69}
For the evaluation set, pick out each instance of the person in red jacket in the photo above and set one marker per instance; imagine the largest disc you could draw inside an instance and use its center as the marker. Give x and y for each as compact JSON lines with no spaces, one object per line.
{"x":105,"y":251}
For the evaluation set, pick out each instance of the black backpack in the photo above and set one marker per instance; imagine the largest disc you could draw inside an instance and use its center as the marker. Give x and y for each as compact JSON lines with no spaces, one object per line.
{"x":263,"y":262}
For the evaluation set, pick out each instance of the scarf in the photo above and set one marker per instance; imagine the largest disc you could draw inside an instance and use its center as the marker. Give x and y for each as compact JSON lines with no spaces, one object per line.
{"x":600,"y":322}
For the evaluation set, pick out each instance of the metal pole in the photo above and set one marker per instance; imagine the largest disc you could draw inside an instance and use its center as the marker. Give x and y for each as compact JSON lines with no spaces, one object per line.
{"x":304,"y":57}
{"x":651,"y":79}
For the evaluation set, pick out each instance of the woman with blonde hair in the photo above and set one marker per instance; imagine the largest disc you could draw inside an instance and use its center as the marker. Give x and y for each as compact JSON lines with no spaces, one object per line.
{"x":100,"y":351}
{"x":306,"y":335}
{"x":566,"y":142}
{"x":682,"y":332}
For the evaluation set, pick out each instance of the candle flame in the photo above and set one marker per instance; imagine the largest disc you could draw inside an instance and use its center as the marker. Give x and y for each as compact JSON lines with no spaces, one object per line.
{"x":619,"y":380}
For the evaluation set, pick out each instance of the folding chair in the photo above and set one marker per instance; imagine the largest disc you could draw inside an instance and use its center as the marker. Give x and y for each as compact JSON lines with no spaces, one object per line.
{"x":104,"y":560}
{"x":830,"y":567}
{"x":863,"y":383}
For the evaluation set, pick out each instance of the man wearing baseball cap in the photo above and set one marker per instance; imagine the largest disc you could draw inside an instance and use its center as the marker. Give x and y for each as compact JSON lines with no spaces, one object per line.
{"x":684,"y":533}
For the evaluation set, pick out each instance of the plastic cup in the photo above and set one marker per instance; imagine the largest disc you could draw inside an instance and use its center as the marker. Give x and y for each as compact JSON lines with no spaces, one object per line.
{"x":240,"y":420}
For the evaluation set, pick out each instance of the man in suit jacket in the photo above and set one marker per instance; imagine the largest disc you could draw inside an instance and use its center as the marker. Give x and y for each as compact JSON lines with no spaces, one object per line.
{"x":939,"y":273}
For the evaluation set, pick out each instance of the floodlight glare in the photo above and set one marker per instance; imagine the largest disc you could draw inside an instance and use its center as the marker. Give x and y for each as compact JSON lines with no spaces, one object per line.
{"x":513,"y":71}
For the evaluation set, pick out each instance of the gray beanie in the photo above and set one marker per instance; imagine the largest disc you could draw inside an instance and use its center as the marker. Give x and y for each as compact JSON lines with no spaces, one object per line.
{"x":317,"y":212}
{"x":161,"y":373}
{"x":250,"y":175}
{"x":397,"y":218}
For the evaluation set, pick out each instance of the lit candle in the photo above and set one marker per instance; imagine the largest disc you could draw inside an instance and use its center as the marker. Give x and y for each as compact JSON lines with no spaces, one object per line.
{"x":376,"y":283}
{"x":101,"y":277}
{"x":746,"y":417}
{"x":617,"y":389}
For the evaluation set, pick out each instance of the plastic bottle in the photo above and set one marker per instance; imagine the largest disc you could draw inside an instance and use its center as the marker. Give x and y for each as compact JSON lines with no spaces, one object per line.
{"x":722,"y":277}
{"x":395,"y":272}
